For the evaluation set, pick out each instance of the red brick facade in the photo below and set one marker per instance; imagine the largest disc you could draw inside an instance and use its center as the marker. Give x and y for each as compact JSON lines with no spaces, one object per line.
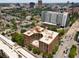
{"x":48,"y":48}
{"x":27,"y":40}
{"x":42,"y":46}
{"x":41,"y":38}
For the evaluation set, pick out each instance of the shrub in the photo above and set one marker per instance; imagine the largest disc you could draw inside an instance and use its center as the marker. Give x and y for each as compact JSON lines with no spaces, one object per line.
{"x":23,"y":30}
{"x":30,"y":47}
{"x":61,"y":32}
{"x":3,"y":33}
{"x":18,"y":38}
{"x":44,"y":55}
{"x":55,"y":50}
{"x":36,"y":51}
{"x":50,"y":55}
{"x":73,"y":53}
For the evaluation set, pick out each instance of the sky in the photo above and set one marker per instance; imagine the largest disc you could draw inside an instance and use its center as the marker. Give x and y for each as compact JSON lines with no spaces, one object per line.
{"x":27,"y":1}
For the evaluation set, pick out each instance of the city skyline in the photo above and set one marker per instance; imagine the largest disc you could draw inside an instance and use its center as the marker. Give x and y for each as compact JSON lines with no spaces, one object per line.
{"x":44,"y":1}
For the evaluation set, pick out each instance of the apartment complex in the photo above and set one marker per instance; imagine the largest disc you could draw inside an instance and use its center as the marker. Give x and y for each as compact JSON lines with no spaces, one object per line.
{"x":55,"y":18}
{"x":41,"y":38}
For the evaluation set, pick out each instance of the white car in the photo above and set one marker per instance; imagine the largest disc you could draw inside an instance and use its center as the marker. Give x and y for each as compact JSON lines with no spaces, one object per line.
{"x":65,"y":55}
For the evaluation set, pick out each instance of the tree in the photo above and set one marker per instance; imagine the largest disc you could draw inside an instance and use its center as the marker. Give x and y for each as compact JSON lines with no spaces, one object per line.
{"x":61,"y":32}
{"x":44,"y":55}
{"x":50,"y":55}
{"x":33,"y":23}
{"x":47,"y":55}
{"x":36,"y":51}
{"x":73,"y":53}
{"x":16,"y":37}
{"x":50,"y":27}
{"x":14,"y":24}
{"x":72,"y":7}
{"x":7,"y":25}
{"x":30,"y":47}
{"x":3,"y":33}
{"x":55,"y":50}
{"x":23,"y":30}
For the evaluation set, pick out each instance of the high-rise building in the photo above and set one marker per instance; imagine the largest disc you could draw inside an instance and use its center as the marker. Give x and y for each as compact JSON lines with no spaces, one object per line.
{"x":0,"y":12}
{"x":40,"y":3}
{"x":32,"y":4}
{"x":55,"y":18}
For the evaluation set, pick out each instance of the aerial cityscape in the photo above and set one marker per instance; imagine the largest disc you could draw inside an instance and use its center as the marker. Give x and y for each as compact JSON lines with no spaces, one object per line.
{"x":39,"y":29}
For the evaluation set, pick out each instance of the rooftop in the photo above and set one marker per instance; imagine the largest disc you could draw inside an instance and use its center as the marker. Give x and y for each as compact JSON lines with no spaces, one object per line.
{"x":8,"y":51}
{"x":5,"y":46}
{"x":56,"y":12}
{"x":4,"y":39}
{"x":35,"y":43}
{"x":36,"y":29}
{"x":48,"y":35}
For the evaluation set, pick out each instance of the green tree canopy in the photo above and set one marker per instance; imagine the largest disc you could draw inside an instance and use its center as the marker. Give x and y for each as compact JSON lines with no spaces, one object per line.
{"x":73,"y":53}
{"x":16,"y":37}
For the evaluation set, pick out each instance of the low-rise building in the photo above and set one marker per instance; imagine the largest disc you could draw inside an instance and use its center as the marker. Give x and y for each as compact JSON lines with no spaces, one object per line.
{"x":73,"y":9}
{"x":41,"y":38}
{"x":12,"y":50}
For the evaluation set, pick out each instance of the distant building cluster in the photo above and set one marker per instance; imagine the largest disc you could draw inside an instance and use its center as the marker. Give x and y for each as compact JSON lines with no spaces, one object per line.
{"x":56,"y":18}
{"x":41,"y":38}
{"x":32,"y":5}
{"x":40,"y":3}
{"x":73,"y":9}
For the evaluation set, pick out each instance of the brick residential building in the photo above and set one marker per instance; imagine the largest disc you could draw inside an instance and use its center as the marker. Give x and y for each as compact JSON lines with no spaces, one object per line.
{"x":41,"y":38}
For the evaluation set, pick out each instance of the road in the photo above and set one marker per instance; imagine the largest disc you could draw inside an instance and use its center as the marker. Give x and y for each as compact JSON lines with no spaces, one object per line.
{"x":68,"y":41}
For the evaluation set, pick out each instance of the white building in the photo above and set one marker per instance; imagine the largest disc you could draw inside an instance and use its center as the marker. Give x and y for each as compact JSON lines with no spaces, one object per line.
{"x":56,"y":18}
{"x":7,"y":51}
{"x":13,"y":50}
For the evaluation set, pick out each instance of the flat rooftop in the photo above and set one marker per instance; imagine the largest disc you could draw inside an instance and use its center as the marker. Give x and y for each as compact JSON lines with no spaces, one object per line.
{"x":49,"y":23}
{"x":9,"y":52}
{"x":25,"y":53}
{"x":57,"y":12}
{"x":48,"y":35}
{"x":35,"y":43}
{"x":4,"y":39}
{"x":36,"y":29}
